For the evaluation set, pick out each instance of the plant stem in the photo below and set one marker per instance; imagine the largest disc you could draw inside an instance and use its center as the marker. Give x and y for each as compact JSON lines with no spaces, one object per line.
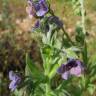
{"x":84,"y":51}
{"x":48,"y":88}
{"x":68,"y":37}
{"x":83,"y":16}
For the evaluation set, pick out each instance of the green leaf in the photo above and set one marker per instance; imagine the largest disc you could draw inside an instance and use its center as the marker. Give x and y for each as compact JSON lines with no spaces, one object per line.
{"x":53,"y":71}
{"x":71,"y":53}
{"x":33,"y":69}
{"x":91,"y":88}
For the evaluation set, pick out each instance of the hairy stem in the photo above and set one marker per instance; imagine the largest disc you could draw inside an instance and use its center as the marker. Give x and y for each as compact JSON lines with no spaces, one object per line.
{"x":83,"y":16}
{"x":84,"y":53}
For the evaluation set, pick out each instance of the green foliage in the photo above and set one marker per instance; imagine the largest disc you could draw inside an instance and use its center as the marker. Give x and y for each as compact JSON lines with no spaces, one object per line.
{"x":42,"y":79}
{"x":34,"y":71}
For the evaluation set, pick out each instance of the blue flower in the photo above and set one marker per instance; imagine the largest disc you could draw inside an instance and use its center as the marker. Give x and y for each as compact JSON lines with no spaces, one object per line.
{"x":15,"y":80}
{"x":39,"y":8}
{"x":73,"y":67}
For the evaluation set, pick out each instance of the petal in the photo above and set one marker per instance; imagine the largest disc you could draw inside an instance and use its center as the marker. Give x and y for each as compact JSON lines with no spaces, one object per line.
{"x":11,"y":75}
{"x":37,"y":24}
{"x":76,"y":71}
{"x":61,"y":69}
{"x":37,"y":6}
{"x":18,"y":80}
{"x":66,"y":75}
{"x":40,"y":13}
{"x":30,"y":2}
{"x":41,"y":8}
{"x":12,"y":85}
{"x":30,"y":12}
{"x":30,"y":9}
{"x":41,"y":1}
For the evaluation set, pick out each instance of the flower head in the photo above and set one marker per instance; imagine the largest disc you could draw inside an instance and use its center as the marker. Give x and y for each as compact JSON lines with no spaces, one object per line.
{"x":15,"y":80}
{"x":51,"y":23}
{"x":55,"y":20}
{"x":73,"y":67}
{"x":39,"y":8}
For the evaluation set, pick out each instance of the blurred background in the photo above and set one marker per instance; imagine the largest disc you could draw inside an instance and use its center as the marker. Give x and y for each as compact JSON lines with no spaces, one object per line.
{"x":15,"y":38}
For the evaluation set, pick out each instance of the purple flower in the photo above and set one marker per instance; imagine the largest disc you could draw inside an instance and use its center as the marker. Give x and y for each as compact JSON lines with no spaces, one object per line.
{"x":37,"y":9}
{"x":41,"y":8}
{"x":51,"y":20}
{"x":15,"y":80}
{"x":37,"y":24}
{"x":30,"y":9}
{"x":73,"y":67}
{"x":55,"y":20}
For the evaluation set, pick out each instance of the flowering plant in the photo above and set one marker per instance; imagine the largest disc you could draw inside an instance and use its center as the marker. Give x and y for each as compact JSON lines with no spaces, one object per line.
{"x":65,"y":63}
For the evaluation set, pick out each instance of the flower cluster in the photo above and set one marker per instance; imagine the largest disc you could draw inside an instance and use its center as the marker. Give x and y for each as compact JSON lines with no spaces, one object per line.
{"x":73,"y":67}
{"x":15,"y":80}
{"x":38,"y":9}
